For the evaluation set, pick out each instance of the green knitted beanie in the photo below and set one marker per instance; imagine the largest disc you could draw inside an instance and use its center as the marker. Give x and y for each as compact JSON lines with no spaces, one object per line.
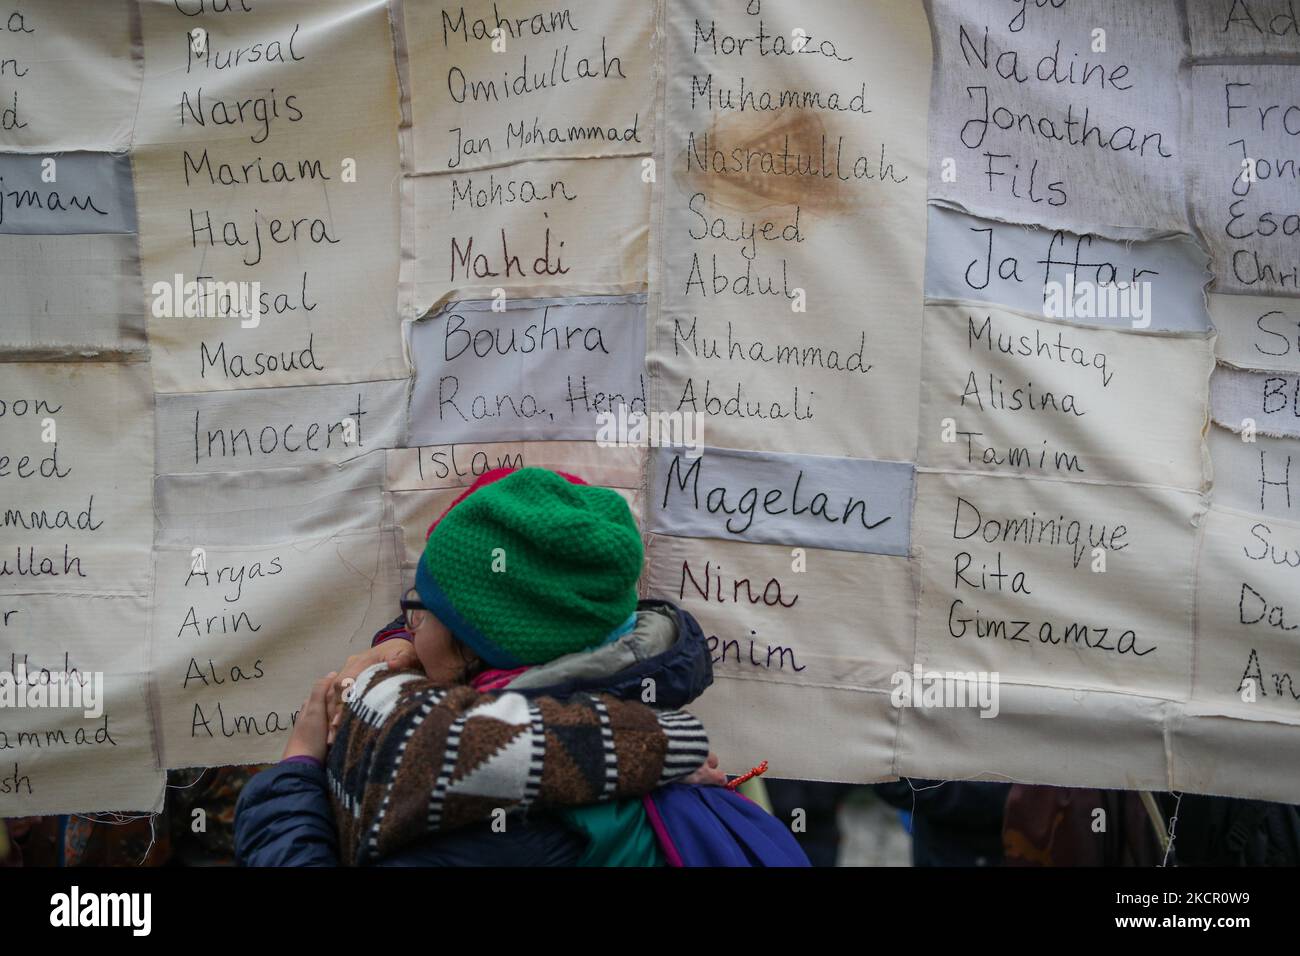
{"x":532,"y":567}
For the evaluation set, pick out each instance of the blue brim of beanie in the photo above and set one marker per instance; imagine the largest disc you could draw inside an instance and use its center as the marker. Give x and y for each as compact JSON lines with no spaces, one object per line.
{"x":435,"y":599}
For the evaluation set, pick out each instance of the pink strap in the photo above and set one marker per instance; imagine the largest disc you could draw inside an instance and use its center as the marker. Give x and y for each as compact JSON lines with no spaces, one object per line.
{"x":661,"y":832}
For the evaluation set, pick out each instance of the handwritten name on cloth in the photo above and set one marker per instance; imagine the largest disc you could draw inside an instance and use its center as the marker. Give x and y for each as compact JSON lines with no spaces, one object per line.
{"x":1260,"y":332}
{"x":1012,"y":395}
{"x":1261,"y":476}
{"x":793,"y":219}
{"x":267,"y":428}
{"x":91,"y":195}
{"x":1156,"y":285}
{"x":1061,"y":584}
{"x":76,"y":467}
{"x":71,"y":77}
{"x":1045,"y":121}
{"x":1243,"y":27}
{"x":262,"y":581}
{"x":495,"y":83}
{"x":78,"y":293}
{"x":268,"y":163}
{"x":507,"y":370}
{"x":1267,"y":403}
{"x":1242,"y":180}
{"x":844,"y":504}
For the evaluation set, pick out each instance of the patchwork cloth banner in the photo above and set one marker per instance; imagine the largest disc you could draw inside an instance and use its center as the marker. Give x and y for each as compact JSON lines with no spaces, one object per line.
{"x":951,"y":341}
{"x":526,"y":151}
{"x":791,"y":225}
{"x":1019,"y":396}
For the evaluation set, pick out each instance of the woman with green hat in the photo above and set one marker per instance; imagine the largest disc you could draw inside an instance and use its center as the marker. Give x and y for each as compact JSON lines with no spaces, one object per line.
{"x":505,"y":721}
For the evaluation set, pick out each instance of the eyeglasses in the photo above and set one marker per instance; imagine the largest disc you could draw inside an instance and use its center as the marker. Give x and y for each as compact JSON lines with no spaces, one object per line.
{"x":411,"y":604}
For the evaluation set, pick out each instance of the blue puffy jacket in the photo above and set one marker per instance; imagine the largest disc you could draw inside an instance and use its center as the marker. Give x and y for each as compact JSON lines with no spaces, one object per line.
{"x":285,"y":818}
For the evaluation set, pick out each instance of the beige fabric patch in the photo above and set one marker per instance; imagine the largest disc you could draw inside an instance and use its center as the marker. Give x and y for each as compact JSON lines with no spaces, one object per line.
{"x":244,"y":173}
{"x":75,"y":582}
{"x":71,"y":78}
{"x":496,"y":83}
{"x":780,"y":310}
{"x":1011,"y":395}
{"x":1012,"y":582}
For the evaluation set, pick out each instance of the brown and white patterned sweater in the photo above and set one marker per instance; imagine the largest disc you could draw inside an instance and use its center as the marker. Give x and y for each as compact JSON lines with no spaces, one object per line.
{"x":412,"y":759}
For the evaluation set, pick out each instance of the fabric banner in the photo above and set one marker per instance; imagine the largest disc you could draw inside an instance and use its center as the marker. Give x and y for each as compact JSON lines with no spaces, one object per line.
{"x":1057,"y":584}
{"x":567,"y":227}
{"x":805,"y":616}
{"x":946,"y":353}
{"x":1075,"y":738}
{"x":497,"y":82}
{"x":76,"y":472}
{"x":76,"y":466}
{"x":75,"y":728}
{"x":265,"y":429}
{"x":259,"y":592}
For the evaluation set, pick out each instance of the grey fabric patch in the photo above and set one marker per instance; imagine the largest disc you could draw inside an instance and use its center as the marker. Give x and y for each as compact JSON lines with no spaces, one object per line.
{"x":844,"y":504}
{"x":541,"y":369}
{"x":1240,"y":28}
{"x":1010,"y":265}
{"x":1103,"y":156}
{"x":71,"y":293}
{"x":1269,"y":400}
{"x":90,"y":195}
